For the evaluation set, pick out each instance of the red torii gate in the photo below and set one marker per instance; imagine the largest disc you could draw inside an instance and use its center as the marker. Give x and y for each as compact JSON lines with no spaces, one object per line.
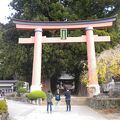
{"x":89,"y":38}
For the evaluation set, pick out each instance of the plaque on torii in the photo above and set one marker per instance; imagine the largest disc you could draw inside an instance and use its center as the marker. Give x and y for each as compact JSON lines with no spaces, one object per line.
{"x":89,"y":38}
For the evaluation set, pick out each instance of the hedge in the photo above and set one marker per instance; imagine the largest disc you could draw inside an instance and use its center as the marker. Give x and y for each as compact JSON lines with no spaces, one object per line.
{"x":34,"y":95}
{"x":22,"y":90}
{"x":3,"y":106}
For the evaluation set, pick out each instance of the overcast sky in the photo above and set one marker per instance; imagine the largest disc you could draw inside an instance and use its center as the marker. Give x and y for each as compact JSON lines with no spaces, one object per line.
{"x":5,"y":11}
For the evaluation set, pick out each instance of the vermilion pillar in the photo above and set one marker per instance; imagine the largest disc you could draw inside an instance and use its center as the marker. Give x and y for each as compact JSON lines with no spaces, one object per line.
{"x":36,"y":77}
{"x":93,"y":87}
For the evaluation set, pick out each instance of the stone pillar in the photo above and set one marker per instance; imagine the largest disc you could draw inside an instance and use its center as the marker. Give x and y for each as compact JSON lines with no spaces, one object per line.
{"x":93,"y":86}
{"x":36,"y":73}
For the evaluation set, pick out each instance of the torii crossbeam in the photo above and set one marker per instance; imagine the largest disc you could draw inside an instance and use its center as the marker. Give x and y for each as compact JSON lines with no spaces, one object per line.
{"x":89,"y":38}
{"x":68,"y":40}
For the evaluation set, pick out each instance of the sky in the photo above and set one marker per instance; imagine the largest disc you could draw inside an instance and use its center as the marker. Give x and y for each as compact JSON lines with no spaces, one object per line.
{"x":5,"y":11}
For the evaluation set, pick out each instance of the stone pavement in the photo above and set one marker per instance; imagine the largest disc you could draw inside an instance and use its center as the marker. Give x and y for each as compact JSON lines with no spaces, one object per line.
{"x":113,"y":116}
{"x":22,"y":111}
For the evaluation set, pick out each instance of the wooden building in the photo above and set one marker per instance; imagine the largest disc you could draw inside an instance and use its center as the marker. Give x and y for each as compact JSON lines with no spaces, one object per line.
{"x":7,"y":86}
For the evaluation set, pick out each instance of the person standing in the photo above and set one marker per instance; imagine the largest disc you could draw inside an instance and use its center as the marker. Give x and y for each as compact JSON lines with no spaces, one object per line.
{"x":57,"y":96}
{"x":49,"y":101}
{"x":57,"y":99}
{"x":67,"y":95}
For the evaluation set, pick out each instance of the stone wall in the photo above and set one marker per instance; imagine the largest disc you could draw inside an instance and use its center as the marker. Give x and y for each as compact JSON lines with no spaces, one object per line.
{"x":4,"y":116}
{"x":103,"y":103}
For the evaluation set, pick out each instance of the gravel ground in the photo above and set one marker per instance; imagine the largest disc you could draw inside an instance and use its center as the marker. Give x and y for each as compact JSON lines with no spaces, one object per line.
{"x":21,"y":111}
{"x":110,"y":114}
{"x":113,"y":116}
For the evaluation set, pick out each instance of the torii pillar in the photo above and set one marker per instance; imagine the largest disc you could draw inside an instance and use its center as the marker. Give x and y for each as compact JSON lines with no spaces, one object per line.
{"x":36,"y":74}
{"x":89,"y":38}
{"x":93,"y":86}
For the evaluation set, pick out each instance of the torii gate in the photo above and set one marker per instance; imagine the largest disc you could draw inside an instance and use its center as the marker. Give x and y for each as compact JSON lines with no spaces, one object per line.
{"x":89,"y":38}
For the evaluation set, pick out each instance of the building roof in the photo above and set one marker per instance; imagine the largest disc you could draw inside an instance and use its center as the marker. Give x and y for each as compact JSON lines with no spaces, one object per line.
{"x":66,"y":76}
{"x":1,"y":85}
{"x":8,"y":81}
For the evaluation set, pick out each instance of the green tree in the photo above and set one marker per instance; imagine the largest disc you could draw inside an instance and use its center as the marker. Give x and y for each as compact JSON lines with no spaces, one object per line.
{"x":14,"y":58}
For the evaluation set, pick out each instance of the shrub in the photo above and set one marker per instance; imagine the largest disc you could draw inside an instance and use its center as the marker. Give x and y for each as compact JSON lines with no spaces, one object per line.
{"x":84,"y":82}
{"x":3,"y":106}
{"x":22,"y":90}
{"x":19,"y":84}
{"x":34,"y":95}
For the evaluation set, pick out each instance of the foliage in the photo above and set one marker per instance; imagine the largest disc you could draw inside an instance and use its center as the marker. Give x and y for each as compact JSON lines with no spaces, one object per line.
{"x":19,"y":84}
{"x":34,"y":95}
{"x":84,"y":75}
{"x":14,"y":58}
{"x":22,"y":90}
{"x":3,"y":106}
{"x":108,"y":64}
{"x":84,"y":81}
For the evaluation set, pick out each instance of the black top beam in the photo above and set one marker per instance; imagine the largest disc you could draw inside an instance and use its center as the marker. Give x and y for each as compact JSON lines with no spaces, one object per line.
{"x":58,"y":23}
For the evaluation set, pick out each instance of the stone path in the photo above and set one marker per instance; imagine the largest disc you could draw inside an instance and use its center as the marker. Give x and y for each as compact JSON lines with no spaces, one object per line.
{"x":113,"y":116}
{"x":22,"y":111}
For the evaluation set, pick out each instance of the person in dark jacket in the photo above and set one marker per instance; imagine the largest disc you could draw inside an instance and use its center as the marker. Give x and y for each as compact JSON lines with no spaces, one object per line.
{"x":49,"y":101}
{"x":57,"y":96}
{"x":57,"y":99}
{"x":67,"y":95}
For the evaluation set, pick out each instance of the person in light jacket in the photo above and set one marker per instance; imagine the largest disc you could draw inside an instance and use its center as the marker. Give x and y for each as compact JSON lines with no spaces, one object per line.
{"x":49,"y":101}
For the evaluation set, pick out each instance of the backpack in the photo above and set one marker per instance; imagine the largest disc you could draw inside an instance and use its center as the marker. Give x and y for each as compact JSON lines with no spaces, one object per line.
{"x":49,"y":97}
{"x":57,"y":97}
